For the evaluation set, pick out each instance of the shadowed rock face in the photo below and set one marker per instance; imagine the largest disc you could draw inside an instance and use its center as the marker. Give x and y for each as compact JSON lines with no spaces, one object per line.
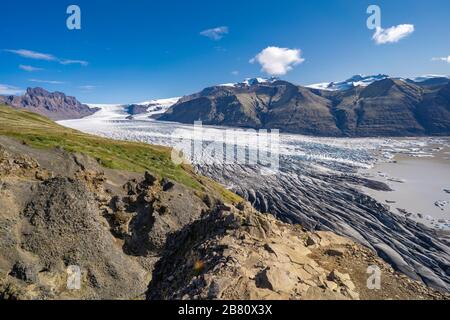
{"x":389,"y":107}
{"x":60,"y":210}
{"x":63,"y":228}
{"x":55,"y":105}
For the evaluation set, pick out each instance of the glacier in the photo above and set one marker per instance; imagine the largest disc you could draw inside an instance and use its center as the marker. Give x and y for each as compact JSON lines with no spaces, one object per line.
{"x":318,"y":185}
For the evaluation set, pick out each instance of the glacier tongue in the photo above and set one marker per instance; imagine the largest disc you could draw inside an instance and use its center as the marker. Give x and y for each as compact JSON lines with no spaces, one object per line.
{"x":120,"y":111}
{"x":317,"y":186}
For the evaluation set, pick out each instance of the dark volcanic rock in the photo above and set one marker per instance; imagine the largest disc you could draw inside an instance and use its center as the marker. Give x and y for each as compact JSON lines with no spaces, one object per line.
{"x":24,"y":272}
{"x":66,"y":229}
{"x":55,"y":105}
{"x":134,"y":109}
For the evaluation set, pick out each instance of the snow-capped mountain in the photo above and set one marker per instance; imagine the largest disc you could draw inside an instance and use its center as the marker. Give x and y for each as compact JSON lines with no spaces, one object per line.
{"x":364,"y":81}
{"x":250,"y":82}
{"x":355,"y":81}
{"x":429,"y":77}
{"x":149,"y":109}
{"x":383,"y":107}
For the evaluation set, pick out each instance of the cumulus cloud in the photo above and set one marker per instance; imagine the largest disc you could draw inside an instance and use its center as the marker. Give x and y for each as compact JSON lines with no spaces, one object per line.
{"x":29,"y":68}
{"x":278,"y":61}
{"x":235,"y":73}
{"x":445,"y":59}
{"x":392,"y":34}
{"x":29,"y":54}
{"x":215,"y":33}
{"x":9,"y":90}
{"x":46,"y":81}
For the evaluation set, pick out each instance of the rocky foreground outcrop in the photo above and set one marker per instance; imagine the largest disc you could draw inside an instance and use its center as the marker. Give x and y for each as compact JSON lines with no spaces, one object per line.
{"x":238,"y":253}
{"x":332,"y":200}
{"x":135,"y":236}
{"x":54,"y":105}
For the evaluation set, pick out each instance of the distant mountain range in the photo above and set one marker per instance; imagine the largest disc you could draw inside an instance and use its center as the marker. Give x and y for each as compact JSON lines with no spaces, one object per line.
{"x":54,"y":105}
{"x":136,"y":111}
{"x":361,"y":106}
{"x":58,"y":106}
{"x":364,"y":81}
{"x":355,"y":81}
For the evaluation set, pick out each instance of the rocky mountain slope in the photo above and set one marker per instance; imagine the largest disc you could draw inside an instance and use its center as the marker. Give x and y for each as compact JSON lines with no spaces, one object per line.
{"x":237,"y":253}
{"x":388,"y":107}
{"x":159,"y":234}
{"x":332,"y":200}
{"x":55,"y":105}
{"x":157,"y":239}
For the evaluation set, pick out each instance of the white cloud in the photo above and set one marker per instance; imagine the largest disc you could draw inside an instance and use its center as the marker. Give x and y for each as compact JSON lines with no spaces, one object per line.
{"x":80,"y":62}
{"x":29,"y":68}
{"x":215,"y":33}
{"x":46,"y":81}
{"x":278,"y":61}
{"x":44,"y":56}
{"x":33,"y":54}
{"x":392,"y":34}
{"x":9,"y":90}
{"x":87,"y":87}
{"x":235,"y":73}
{"x":445,"y":59}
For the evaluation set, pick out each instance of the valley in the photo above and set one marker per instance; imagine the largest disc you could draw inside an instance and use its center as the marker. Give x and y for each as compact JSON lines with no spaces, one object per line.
{"x":320,"y":186}
{"x":190,"y":154}
{"x":355,"y":186}
{"x":136,"y":234}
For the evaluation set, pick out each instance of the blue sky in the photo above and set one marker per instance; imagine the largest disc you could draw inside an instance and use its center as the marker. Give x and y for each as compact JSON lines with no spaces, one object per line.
{"x":138,"y":50}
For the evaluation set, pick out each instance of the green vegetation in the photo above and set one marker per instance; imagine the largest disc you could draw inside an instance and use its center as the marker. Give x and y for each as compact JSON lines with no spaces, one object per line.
{"x":40,"y":132}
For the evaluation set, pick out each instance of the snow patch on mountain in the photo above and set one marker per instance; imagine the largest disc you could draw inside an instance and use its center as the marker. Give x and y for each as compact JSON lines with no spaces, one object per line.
{"x":364,"y":81}
{"x":158,"y":106}
{"x":355,"y":81}
{"x":428,"y":77}
{"x":160,"y":102}
{"x":250,"y":82}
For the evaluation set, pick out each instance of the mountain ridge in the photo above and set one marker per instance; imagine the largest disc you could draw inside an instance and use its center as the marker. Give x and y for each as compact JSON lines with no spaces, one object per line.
{"x":55,"y":105}
{"x":388,"y":107}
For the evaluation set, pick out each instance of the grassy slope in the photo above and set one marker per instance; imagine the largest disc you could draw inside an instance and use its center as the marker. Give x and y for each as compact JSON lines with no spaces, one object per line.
{"x":40,"y":132}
